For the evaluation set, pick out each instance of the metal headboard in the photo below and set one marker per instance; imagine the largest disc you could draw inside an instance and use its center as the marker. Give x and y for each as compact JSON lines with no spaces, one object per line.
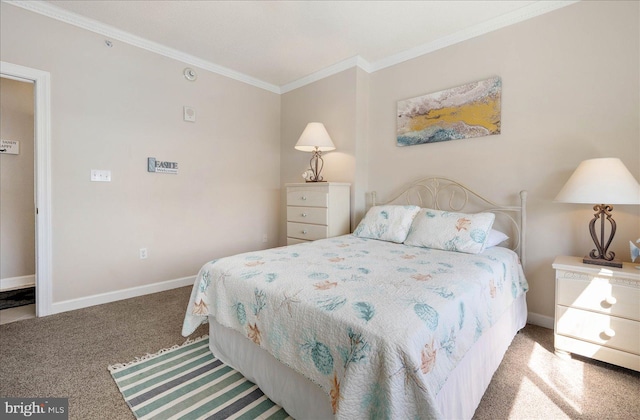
{"x":447,"y":194}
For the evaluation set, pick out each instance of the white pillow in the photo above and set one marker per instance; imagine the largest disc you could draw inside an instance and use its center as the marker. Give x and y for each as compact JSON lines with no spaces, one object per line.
{"x":495,"y":238}
{"x":387,"y":223}
{"x":450,"y":231}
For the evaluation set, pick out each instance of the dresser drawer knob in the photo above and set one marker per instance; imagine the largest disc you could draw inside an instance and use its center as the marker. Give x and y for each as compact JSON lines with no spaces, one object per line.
{"x":304,"y":215}
{"x":611,"y":300}
{"x":609,"y":332}
{"x":304,"y":232}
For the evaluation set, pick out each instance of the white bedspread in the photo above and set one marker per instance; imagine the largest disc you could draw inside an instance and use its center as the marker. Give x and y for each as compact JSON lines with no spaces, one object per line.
{"x":378,"y":326}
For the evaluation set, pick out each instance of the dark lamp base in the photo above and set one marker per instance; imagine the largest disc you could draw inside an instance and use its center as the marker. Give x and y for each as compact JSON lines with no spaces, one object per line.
{"x":316,"y":181}
{"x":595,"y":261}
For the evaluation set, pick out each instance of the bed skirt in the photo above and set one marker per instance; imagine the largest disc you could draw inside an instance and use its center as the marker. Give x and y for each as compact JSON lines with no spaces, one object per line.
{"x":458,"y":398}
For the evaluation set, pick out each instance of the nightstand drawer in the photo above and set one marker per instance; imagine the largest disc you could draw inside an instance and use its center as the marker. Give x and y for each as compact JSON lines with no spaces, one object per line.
{"x":605,"y":330}
{"x":599,"y":295}
{"x":307,"y":232}
{"x":597,"y":311}
{"x":308,"y":198}
{"x":313,"y":215}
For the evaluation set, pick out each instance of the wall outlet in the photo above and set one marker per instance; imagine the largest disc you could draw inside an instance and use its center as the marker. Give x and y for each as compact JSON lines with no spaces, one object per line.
{"x":143,"y":253}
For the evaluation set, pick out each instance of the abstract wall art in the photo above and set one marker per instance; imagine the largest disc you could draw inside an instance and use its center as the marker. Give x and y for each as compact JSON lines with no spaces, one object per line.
{"x":471,"y":110}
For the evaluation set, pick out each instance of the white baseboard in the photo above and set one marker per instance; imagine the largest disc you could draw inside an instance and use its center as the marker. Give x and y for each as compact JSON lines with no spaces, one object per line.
{"x":85,"y":302}
{"x":540,"y":320}
{"x":17,"y":282}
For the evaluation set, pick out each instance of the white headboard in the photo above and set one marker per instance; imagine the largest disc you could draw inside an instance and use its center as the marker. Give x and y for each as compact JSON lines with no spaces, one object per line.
{"x":446,"y":194}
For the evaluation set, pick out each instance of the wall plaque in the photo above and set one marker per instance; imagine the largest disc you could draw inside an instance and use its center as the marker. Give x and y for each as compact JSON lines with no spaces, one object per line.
{"x":10,"y":147}
{"x":158,"y":166}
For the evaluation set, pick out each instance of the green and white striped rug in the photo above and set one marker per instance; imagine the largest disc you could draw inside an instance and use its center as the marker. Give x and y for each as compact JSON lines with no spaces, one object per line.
{"x":188,"y":382}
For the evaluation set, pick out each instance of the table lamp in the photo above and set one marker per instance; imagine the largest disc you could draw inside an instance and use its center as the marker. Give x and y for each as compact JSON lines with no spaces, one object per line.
{"x":601,"y":182}
{"x":315,"y":139}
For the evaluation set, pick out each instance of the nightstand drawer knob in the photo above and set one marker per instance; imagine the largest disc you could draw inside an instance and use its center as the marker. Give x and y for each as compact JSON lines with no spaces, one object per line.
{"x":611,"y":300}
{"x":304,"y":232}
{"x":609,"y":332}
{"x":304,"y":215}
{"x":303,"y":198}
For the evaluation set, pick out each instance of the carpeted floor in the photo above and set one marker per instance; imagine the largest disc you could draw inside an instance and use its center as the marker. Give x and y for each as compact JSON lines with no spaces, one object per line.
{"x":67,"y":355}
{"x":533,"y":383}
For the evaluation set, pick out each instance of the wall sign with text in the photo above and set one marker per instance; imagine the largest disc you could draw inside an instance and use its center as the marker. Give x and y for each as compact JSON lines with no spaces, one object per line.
{"x":10,"y":147}
{"x":154,"y":165}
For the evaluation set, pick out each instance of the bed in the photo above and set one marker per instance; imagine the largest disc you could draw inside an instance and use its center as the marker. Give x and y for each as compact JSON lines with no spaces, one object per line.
{"x":408,"y":317}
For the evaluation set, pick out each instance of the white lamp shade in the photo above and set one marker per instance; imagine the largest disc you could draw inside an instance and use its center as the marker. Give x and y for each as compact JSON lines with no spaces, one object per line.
{"x":601,"y":181}
{"x":315,"y":136}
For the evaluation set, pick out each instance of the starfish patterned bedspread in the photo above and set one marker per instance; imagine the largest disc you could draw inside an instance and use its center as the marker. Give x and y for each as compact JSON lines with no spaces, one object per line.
{"x":377,"y":325}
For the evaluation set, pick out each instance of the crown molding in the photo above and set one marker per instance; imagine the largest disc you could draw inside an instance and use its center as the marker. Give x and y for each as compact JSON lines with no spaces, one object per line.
{"x":536,"y":9}
{"x":355,"y":61}
{"x":54,"y":12}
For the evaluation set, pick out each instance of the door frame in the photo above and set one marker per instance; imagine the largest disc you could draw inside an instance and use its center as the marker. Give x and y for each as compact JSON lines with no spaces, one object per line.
{"x":42,"y":130}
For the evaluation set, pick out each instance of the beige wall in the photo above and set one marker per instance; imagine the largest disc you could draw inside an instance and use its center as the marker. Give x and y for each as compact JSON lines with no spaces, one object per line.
{"x":17,"y":211}
{"x":331,"y":101}
{"x":570,"y":92}
{"x":341,"y":103}
{"x":112,"y":108}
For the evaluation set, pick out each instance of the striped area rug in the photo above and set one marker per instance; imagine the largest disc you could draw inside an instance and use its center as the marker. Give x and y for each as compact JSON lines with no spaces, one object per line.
{"x":188,"y":382}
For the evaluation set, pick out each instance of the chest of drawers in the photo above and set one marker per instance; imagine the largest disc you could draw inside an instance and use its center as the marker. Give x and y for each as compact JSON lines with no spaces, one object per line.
{"x":597,"y":312}
{"x":317,"y":211}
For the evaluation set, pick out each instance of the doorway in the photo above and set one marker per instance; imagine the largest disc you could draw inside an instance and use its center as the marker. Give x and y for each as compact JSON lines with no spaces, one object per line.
{"x":40,"y":81}
{"x":17,"y":201}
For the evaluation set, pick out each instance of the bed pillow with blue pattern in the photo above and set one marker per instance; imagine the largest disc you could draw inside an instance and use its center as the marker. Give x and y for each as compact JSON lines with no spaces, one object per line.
{"x":387,"y":223}
{"x":450,"y":231}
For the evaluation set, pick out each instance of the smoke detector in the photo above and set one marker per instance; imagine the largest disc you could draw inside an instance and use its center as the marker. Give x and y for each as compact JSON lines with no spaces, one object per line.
{"x":190,"y":74}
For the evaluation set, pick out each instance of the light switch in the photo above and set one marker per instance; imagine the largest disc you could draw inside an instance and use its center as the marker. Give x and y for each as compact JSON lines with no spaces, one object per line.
{"x":99,"y":175}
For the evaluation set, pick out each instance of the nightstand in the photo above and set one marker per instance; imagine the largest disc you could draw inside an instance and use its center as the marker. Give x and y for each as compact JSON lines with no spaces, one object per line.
{"x":317,"y":210}
{"x":597,"y":312}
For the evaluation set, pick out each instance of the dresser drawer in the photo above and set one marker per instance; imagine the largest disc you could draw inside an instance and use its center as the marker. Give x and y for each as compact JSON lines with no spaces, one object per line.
{"x":308,"y":198}
{"x":295,"y":241}
{"x":307,"y":232}
{"x":594,"y":327}
{"x":317,"y":210}
{"x":314,"y":215}
{"x":598,"y":294}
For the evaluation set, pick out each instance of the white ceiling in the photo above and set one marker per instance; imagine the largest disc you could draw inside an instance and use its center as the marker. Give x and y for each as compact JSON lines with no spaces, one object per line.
{"x":280,"y":43}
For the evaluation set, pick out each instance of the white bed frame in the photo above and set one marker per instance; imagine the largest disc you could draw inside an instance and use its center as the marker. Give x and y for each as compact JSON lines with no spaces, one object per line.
{"x":449,"y":195}
{"x":461,"y":394}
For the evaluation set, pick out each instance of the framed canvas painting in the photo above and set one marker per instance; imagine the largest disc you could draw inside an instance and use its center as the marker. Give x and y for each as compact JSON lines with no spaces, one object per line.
{"x":471,"y":110}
